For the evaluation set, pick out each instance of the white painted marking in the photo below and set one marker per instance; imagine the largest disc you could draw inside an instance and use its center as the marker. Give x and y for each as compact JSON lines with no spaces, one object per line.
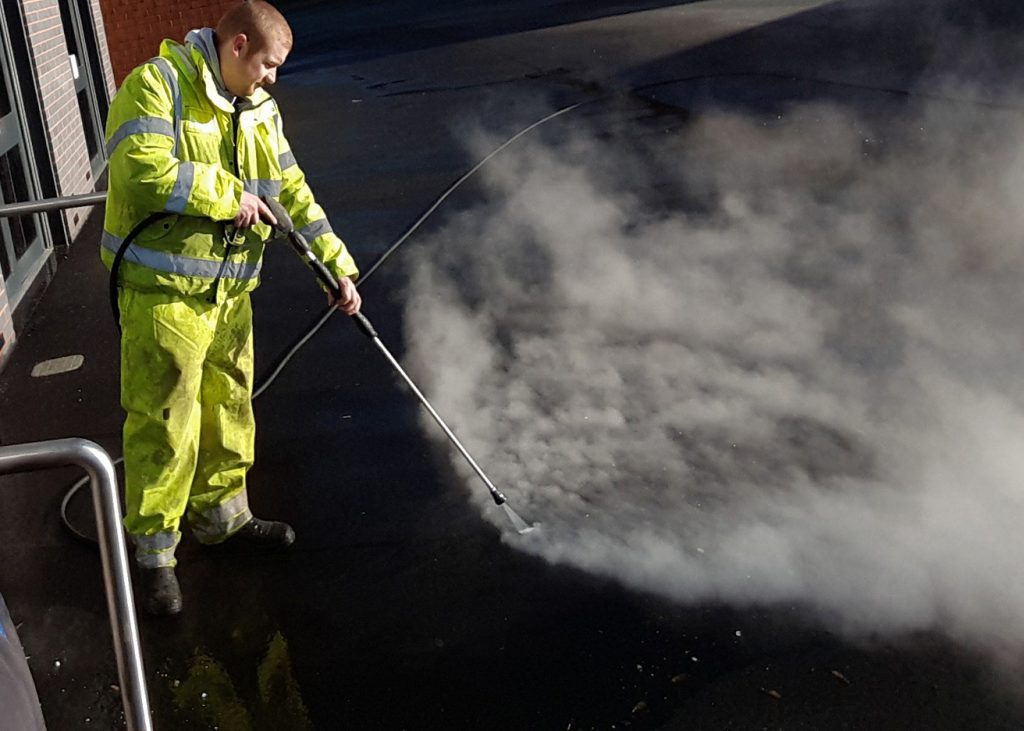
{"x":57,"y":365}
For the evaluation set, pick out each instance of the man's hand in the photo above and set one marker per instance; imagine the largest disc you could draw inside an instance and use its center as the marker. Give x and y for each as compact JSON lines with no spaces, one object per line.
{"x":349,"y":300}
{"x":252,"y":211}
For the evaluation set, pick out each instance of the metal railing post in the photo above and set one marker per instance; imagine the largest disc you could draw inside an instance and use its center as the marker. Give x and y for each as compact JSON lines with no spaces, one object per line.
{"x":113,"y":554}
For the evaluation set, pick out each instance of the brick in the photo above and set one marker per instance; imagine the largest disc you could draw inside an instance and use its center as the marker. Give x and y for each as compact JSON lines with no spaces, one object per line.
{"x":134,"y":30}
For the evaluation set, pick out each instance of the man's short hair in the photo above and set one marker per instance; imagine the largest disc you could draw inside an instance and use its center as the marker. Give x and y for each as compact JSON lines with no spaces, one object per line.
{"x":261,"y":22}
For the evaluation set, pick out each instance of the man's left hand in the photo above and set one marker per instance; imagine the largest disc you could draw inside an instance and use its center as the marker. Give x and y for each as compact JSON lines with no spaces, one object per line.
{"x":348,"y":301}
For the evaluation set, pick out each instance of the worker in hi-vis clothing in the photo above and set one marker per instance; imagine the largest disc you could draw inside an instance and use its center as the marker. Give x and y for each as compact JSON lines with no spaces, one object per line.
{"x":193,"y":135}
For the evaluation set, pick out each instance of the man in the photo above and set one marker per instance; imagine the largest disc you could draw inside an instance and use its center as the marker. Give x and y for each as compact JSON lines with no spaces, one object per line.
{"x":192,"y":134}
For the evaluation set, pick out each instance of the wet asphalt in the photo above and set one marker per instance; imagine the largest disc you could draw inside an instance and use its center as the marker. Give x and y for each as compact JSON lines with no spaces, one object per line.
{"x":399,"y":607}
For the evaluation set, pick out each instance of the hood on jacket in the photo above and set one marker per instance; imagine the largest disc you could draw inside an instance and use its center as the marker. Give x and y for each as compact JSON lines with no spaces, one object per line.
{"x":202,"y":40}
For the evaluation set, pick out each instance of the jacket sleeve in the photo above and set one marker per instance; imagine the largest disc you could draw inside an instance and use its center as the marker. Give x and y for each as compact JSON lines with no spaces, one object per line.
{"x":144,"y":168}
{"x":309,"y":218}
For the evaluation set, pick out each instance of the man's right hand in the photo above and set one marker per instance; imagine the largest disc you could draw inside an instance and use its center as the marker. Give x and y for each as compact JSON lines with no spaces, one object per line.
{"x":252,"y":210}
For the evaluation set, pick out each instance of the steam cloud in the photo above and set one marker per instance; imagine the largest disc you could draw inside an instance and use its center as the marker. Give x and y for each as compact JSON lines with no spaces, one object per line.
{"x":762,"y":361}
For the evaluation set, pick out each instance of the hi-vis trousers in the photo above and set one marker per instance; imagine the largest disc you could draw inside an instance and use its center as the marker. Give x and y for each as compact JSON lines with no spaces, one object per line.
{"x":186,"y":385}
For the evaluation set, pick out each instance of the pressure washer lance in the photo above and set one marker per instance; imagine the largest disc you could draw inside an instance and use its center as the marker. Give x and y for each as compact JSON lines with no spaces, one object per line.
{"x":301,"y":247}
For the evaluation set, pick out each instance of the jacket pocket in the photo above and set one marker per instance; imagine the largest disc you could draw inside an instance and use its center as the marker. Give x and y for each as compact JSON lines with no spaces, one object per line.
{"x":201,"y":137}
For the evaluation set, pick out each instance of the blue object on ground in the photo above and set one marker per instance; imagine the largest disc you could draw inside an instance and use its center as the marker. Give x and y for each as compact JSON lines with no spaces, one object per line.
{"x":19,"y":703}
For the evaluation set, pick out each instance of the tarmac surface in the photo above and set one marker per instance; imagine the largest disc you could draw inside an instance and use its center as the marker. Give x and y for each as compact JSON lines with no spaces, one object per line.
{"x":399,"y":607}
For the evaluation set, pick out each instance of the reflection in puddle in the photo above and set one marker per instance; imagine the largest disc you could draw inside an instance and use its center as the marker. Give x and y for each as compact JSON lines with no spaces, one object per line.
{"x":208,"y":696}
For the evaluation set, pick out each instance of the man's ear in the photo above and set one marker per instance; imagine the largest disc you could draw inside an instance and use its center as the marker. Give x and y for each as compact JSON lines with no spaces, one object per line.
{"x":238,"y":44}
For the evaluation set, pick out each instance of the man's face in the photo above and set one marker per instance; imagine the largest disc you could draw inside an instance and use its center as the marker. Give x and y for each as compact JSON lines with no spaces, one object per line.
{"x":245,"y":69}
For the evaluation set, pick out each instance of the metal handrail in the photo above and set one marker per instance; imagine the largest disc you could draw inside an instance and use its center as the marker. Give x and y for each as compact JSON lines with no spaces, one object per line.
{"x":53,"y":204}
{"x":113,"y":555}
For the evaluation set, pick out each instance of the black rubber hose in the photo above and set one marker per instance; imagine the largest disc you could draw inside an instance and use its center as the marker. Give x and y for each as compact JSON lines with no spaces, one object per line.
{"x":115,"y":266}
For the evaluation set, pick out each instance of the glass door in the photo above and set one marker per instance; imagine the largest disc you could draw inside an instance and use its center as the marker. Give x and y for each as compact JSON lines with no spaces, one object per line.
{"x":23,"y":250}
{"x":78,"y":32}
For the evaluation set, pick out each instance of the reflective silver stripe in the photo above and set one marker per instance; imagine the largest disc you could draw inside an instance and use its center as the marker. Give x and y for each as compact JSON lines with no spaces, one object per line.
{"x":182,"y":265}
{"x":182,"y":187}
{"x":222,"y":520}
{"x":286,"y":159}
{"x":317,"y":228}
{"x":271,"y":188}
{"x":167,"y":71}
{"x":228,"y":509}
{"x":158,"y":541}
{"x":142,"y":125}
{"x":157,"y":550}
{"x":155,"y":560}
{"x":279,"y":128}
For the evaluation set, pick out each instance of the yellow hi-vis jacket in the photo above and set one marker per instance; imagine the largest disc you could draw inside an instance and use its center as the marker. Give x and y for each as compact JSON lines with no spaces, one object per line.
{"x":170,"y":135}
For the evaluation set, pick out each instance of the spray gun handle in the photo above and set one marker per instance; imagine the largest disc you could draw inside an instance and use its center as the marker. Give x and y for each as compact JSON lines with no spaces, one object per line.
{"x":324,"y":274}
{"x":298,"y":243}
{"x":327,"y":278}
{"x":285,"y":226}
{"x":284,"y":223}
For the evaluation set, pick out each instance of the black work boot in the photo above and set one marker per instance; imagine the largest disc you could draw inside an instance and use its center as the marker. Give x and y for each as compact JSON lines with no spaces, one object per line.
{"x":265,"y":533}
{"x":161,"y":593}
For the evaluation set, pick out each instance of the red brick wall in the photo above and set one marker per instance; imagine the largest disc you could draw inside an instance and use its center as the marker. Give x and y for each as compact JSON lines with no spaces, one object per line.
{"x":136,"y":27}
